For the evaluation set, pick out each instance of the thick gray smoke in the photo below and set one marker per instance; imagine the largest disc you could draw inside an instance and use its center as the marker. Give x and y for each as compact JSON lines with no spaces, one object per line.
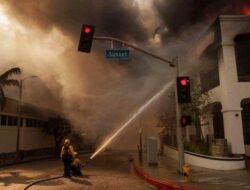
{"x":93,"y":92}
{"x":181,"y":15}
{"x":184,"y":23}
{"x":114,"y":18}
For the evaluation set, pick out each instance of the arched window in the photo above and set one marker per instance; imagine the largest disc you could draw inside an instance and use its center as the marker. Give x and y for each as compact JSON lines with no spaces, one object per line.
{"x":242,"y":52}
{"x":209,"y":67}
{"x":218,"y":121}
{"x":245,"y":104}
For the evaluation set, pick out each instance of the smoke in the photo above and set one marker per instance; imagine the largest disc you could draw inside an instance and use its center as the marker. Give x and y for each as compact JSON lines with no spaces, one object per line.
{"x":114,"y":18}
{"x":94,"y":93}
{"x":180,"y":16}
{"x":97,"y":94}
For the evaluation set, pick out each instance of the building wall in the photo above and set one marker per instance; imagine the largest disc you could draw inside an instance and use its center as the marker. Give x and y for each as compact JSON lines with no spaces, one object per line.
{"x":38,"y":138}
{"x":230,"y":93}
{"x":29,"y":139}
{"x":8,"y":139}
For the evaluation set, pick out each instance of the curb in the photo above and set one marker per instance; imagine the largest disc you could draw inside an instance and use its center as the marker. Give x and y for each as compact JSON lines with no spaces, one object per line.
{"x":161,"y":185}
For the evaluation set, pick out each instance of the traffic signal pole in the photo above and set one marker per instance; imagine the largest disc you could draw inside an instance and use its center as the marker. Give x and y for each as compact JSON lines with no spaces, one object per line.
{"x":178,"y":123}
{"x":178,"y":110}
{"x":134,"y":47}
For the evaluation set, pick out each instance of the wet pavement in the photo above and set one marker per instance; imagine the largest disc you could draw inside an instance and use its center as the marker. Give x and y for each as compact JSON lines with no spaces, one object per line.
{"x":202,"y":178}
{"x":113,"y":170}
{"x":107,"y":171}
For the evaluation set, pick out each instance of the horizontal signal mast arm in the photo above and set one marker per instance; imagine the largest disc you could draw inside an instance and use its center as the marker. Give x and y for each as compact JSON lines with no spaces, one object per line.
{"x":134,"y":47}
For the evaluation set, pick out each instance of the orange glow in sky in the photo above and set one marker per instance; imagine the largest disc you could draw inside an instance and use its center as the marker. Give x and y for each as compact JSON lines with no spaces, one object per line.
{"x":3,"y":17}
{"x":246,"y":9}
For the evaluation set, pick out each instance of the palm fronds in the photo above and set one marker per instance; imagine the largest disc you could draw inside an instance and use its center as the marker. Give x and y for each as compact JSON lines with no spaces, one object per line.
{"x":11,"y":82}
{"x":10,"y":72}
{"x":5,"y":81}
{"x":2,"y":99}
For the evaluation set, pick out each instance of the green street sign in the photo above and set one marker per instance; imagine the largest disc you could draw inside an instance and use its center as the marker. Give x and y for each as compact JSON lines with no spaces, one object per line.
{"x":117,"y":54}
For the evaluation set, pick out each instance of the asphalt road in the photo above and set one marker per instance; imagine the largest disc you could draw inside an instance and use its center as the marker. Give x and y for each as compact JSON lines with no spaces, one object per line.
{"x":110,"y":171}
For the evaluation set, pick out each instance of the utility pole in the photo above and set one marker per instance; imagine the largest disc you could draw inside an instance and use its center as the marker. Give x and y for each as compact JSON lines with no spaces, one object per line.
{"x":19,"y":124}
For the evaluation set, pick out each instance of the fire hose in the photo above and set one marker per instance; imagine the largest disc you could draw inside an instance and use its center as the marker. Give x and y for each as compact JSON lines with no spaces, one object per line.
{"x":86,"y":163}
{"x":42,"y":180}
{"x":51,"y":178}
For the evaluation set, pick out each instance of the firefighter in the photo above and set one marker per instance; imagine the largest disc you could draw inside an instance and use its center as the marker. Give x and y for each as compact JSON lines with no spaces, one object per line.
{"x":67,"y":156}
{"x":76,"y":165}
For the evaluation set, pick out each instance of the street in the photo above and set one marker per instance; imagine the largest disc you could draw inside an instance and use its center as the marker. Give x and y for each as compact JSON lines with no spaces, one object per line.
{"x":106,"y":171}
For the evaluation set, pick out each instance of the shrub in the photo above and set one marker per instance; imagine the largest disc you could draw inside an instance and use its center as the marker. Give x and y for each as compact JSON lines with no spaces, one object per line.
{"x":199,"y":147}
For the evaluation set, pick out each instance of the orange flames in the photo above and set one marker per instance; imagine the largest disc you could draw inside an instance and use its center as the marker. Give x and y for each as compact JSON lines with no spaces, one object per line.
{"x":246,"y":9}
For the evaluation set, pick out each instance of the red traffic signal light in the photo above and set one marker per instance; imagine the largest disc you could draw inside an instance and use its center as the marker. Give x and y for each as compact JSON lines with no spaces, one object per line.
{"x":87,"y":29}
{"x":185,"y":120}
{"x":184,"y":82}
{"x":86,"y":38}
{"x":183,"y":90}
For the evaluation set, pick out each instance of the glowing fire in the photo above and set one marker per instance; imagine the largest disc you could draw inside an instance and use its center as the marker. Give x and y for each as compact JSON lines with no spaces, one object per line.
{"x":246,"y":9}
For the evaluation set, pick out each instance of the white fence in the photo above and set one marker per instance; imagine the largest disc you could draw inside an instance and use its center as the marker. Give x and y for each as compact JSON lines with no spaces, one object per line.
{"x":211,"y":162}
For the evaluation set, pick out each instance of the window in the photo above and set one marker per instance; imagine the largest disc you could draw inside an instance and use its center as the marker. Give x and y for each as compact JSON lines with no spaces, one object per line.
{"x":40,"y":123}
{"x":209,"y":67}
{"x":12,"y":121}
{"x":245,"y":104}
{"x":3,"y":119}
{"x":32,"y":123}
{"x":21,"y":122}
{"x":28,"y":122}
{"x":242,"y":53}
{"x":218,"y":121}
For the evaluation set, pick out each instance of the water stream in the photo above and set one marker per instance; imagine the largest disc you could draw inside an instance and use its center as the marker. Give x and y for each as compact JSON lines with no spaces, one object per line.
{"x":126,"y":124}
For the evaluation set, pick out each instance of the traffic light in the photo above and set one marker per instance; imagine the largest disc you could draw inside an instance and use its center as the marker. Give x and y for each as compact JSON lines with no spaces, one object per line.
{"x":86,"y":38}
{"x":185,"y":120}
{"x":183,"y":90}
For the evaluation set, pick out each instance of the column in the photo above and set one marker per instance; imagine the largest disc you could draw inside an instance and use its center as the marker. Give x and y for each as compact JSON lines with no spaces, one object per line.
{"x":230,"y":99}
{"x":234,"y":131}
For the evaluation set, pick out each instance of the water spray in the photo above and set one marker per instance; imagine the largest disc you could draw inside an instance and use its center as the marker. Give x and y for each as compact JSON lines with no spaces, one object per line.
{"x":138,"y":112}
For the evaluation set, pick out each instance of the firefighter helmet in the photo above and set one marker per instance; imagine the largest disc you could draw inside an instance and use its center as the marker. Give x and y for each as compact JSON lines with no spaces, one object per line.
{"x":66,"y":142}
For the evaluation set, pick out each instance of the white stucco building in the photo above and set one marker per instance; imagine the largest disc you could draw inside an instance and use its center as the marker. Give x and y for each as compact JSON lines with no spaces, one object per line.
{"x":224,"y":70}
{"x":32,"y":137}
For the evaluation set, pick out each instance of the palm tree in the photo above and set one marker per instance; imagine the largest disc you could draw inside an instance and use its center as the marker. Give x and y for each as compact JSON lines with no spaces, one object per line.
{"x":6,"y":81}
